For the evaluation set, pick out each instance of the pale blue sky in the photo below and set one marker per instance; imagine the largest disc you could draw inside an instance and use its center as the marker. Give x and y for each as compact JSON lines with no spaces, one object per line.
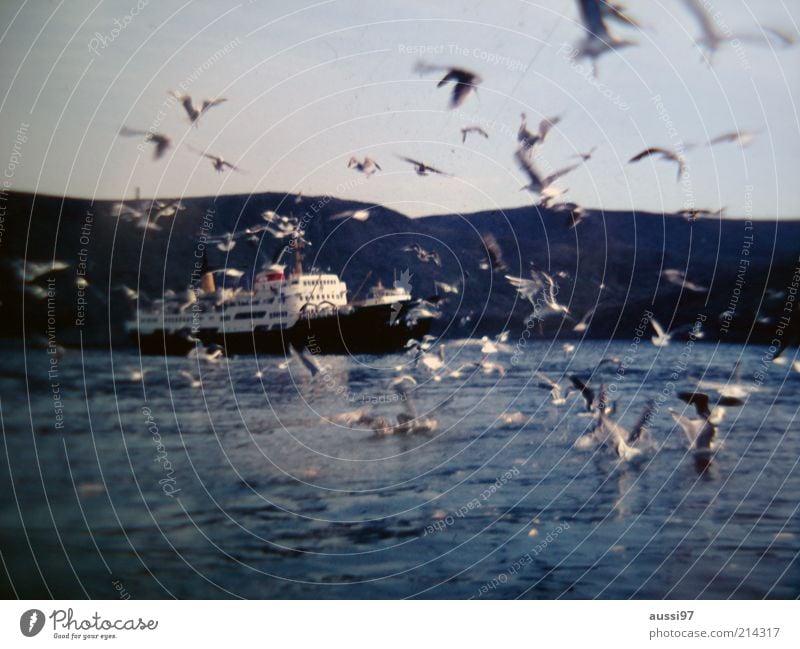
{"x":311,"y":83}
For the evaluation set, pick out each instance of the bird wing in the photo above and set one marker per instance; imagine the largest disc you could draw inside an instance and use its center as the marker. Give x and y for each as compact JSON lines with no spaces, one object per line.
{"x":210,"y":103}
{"x":546,"y":124}
{"x":690,"y":427}
{"x":452,"y":75}
{"x":586,"y":391}
{"x":641,"y":423}
{"x":129,"y":132}
{"x":527,"y":166}
{"x":699,"y":400}
{"x":705,"y":436}
{"x":546,"y":381}
{"x":561,"y":172}
{"x":309,"y":362}
{"x":592,"y":18}
{"x":376,"y":165}
{"x":651,"y":151}
{"x":657,"y":328}
{"x":416,"y":163}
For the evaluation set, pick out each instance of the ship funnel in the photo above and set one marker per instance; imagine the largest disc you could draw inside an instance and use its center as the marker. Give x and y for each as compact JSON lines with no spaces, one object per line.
{"x":208,"y":285}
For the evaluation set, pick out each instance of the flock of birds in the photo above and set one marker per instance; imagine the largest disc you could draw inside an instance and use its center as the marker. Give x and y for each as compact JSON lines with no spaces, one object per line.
{"x":540,"y":288}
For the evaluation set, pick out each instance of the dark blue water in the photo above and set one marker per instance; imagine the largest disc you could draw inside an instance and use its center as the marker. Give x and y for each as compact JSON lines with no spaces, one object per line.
{"x":242,"y":488}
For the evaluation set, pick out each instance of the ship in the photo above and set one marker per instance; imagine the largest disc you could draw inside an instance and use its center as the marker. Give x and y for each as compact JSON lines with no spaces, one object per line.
{"x":301,"y":310}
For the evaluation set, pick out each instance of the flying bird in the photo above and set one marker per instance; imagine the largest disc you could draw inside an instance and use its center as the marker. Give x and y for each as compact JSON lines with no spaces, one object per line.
{"x":743,"y":138}
{"x":161,"y":141}
{"x":423,"y":169}
{"x":366,"y":166}
{"x":464,"y":80}
{"x":193,"y":112}
{"x":527,"y":140}
{"x":219,"y":163}
{"x":495,"y":254}
{"x":472,"y":129}
{"x":537,"y":184}
{"x":598,"y":39}
{"x":678,"y":277}
{"x":665,"y":154}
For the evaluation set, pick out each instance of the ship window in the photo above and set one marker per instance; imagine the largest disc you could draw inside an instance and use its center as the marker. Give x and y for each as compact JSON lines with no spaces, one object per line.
{"x":254,"y":314}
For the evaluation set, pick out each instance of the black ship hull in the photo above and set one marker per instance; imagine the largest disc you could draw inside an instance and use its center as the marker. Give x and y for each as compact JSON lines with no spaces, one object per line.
{"x":365,"y":330}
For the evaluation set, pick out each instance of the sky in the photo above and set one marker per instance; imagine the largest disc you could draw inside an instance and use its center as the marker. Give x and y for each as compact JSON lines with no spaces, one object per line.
{"x":311,"y":83}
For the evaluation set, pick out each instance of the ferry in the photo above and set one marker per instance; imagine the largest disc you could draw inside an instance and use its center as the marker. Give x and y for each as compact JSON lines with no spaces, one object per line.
{"x":303,"y":310}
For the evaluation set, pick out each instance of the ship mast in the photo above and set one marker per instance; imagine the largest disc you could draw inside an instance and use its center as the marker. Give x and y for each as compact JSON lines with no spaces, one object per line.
{"x":298,"y":255}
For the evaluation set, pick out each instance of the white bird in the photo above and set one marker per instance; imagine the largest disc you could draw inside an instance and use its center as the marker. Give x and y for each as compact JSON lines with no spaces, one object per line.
{"x":516,"y":418}
{"x":585,"y":321}
{"x":662,"y":338}
{"x":699,"y":432}
{"x":211,"y":354}
{"x":678,"y":277}
{"x":528,"y":140}
{"x":190,"y":379}
{"x":355,"y":215}
{"x":536,"y":183}
{"x":366,"y":166}
{"x":620,"y":440}
{"x":557,"y":397}
{"x":193,"y":112}
{"x":219,"y":163}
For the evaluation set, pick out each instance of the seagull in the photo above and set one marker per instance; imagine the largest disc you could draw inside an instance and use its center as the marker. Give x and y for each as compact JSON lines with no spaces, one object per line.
{"x":423,"y":255}
{"x":29,"y":271}
{"x":423,"y":169}
{"x":665,"y":154}
{"x":743,"y":138}
{"x":592,"y":404}
{"x":515,"y":418}
{"x":556,"y":396}
{"x":495,"y":254}
{"x":699,"y":432}
{"x":585,"y":321}
{"x":356,"y":215}
{"x":585,"y":157}
{"x":472,"y":129}
{"x":712,"y":36}
{"x":161,"y":141}
{"x":662,"y":338}
{"x":598,"y":40}
{"x":702,"y":404}
{"x":210,"y":354}
{"x":226,"y":243}
{"x":527,"y":140}
{"x":219,"y":163}
{"x":446,"y":288}
{"x":465,"y":80}
{"x":678,"y":277}
{"x":692,"y":214}
{"x":576,"y":214}
{"x":193,"y":382}
{"x":191,"y":111}
{"x":366,"y":166}
{"x":537,"y":184}
{"x":166,"y":210}
{"x":620,"y":440}
{"x":309,"y":361}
